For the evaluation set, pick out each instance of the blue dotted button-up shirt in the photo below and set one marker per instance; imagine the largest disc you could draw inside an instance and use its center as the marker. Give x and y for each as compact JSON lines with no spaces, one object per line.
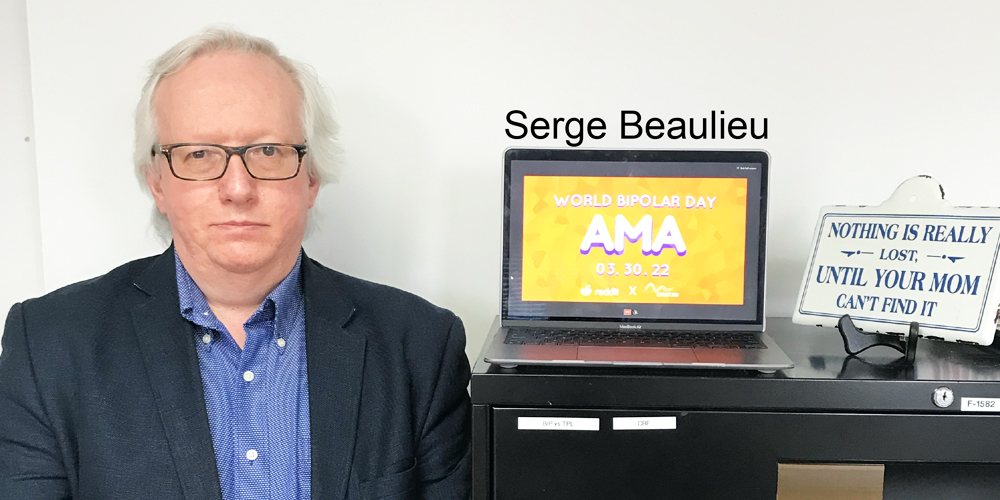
{"x":257,"y":397}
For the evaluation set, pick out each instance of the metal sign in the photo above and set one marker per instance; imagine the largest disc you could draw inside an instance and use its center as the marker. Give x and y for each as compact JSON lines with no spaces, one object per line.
{"x":912,"y":258}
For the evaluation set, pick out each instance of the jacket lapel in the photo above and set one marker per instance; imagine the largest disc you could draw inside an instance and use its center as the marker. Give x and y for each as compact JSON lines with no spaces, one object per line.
{"x":167,"y":346}
{"x":335,"y":357}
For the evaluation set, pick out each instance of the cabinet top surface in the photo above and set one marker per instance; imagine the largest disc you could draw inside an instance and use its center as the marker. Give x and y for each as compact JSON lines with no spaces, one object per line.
{"x":818,"y":354}
{"x":825,"y":378}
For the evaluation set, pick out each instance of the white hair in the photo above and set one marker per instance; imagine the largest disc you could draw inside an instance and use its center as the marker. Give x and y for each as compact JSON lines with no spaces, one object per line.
{"x":318,"y":124}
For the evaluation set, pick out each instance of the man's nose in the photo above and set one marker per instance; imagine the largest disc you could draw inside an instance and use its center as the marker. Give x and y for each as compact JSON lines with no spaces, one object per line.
{"x":236,"y":185}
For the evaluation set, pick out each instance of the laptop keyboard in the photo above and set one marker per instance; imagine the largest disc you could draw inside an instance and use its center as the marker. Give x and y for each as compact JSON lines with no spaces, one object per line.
{"x":626,"y":338}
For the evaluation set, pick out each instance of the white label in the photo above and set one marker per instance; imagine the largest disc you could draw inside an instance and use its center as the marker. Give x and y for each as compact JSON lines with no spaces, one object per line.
{"x":558,"y":424}
{"x":981,"y":404}
{"x":644,"y":423}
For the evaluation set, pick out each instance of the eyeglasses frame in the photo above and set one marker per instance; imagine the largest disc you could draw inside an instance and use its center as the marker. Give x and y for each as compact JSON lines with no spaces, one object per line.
{"x":166,"y":149}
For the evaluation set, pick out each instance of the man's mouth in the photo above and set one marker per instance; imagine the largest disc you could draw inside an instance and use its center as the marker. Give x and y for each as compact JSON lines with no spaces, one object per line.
{"x":240,"y":224}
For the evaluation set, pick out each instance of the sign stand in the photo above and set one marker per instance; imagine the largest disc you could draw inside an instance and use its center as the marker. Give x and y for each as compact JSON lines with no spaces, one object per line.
{"x":856,"y":341}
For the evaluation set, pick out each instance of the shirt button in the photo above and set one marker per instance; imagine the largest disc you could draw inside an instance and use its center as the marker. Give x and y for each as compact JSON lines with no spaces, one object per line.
{"x":251,"y":455}
{"x":207,"y":338}
{"x":248,"y":376}
{"x":281,"y":342}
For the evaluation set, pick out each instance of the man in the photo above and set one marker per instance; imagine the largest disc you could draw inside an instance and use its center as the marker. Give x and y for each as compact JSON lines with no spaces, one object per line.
{"x":232,"y":366}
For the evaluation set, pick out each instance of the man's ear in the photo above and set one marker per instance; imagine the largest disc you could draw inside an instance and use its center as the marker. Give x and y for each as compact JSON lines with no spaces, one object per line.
{"x":313,"y":190}
{"x":153,"y":179}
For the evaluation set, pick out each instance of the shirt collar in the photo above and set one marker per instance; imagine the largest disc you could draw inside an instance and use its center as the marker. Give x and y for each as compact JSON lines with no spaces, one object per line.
{"x":281,"y":305}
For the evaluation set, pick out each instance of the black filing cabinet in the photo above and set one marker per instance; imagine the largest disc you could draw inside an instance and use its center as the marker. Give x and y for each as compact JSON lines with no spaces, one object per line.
{"x":580,"y":433}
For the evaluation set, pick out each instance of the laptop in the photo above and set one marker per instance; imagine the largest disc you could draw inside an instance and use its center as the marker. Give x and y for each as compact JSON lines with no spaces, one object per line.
{"x":634,"y":258}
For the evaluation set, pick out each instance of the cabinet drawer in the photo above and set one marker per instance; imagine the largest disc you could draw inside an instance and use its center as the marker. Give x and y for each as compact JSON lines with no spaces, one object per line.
{"x":551,"y":454}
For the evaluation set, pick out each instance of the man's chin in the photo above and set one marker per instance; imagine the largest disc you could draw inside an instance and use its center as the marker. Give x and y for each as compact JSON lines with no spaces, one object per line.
{"x":244,"y":259}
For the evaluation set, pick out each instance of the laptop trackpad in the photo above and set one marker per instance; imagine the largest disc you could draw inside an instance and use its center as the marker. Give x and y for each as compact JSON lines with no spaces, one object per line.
{"x":726,"y":356}
{"x":549,"y":352}
{"x":637,"y":354}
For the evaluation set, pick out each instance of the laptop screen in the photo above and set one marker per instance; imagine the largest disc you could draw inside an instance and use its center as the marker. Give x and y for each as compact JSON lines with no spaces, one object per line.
{"x":635,"y":236}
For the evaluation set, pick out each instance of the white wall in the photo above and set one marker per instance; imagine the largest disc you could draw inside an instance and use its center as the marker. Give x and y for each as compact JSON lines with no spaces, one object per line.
{"x":20,"y":232}
{"x":859,"y":95}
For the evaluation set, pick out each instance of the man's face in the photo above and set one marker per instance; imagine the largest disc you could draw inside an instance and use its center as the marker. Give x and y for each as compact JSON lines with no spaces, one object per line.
{"x":236,"y":223}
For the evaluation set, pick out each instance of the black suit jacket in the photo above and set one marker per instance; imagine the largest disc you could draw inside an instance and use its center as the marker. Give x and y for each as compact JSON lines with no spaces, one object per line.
{"x":101,"y":394}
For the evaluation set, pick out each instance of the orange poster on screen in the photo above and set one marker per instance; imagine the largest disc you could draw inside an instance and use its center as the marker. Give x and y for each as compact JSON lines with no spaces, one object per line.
{"x":648,"y":240}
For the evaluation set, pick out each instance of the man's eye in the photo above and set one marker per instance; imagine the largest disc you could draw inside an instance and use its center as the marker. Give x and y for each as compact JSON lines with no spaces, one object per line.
{"x":198,"y":155}
{"x":268,"y":150}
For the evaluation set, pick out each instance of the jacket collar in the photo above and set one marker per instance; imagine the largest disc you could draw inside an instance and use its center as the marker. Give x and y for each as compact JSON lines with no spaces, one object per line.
{"x":335,"y":354}
{"x":165,"y":340}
